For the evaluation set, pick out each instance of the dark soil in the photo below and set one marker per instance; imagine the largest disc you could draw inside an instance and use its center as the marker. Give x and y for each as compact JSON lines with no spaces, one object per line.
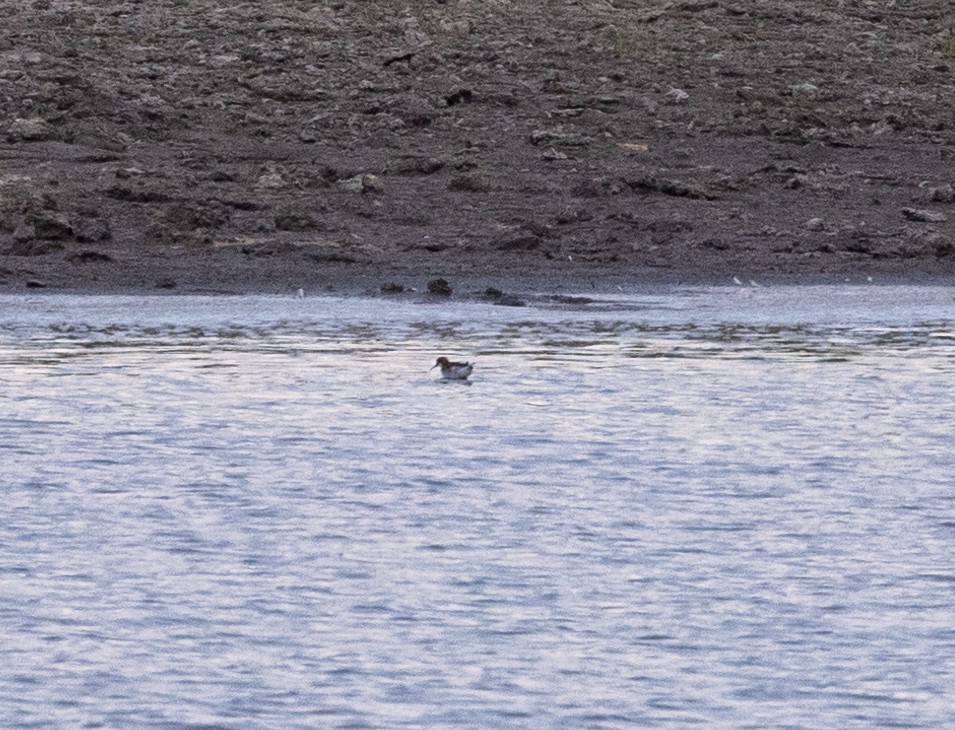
{"x":197,"y":145}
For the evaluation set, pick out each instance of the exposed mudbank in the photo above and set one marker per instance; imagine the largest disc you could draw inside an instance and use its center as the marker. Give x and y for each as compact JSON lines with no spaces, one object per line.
{"x":194,"y":146}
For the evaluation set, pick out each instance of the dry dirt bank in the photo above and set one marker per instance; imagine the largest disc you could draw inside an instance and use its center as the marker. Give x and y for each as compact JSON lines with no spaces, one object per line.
{"x":206,"y":145}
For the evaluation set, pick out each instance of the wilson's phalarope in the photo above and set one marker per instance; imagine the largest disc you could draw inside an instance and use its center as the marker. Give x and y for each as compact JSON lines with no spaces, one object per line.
{"x":453,"y":370}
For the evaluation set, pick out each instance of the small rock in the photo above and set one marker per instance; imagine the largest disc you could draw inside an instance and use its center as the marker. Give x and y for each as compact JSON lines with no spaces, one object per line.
{"x":222,"y":176}
{"x":42,"y":221}
{"x":805,"y":89}
{"x":165,"y":284}
{"x":91,"y":257}
{"x":398,"y":58}
{"x":537,"y":229}
{"x":862,"y":246}
{"x":24,"y":232}
{"x":634,"y":147}
{"x":101,"y":141}
{"x":461,"y":96}
{"x":594,"y":188}
{"x":391,"y":288}
{"x":35,"y":284}
{"x":436,"y":246}
{"x":666,"y":186}
{"x":470,"y":183}
{"x":519,"y":243}
{"x":416,"y":166}
{"x":439,"y":287}
{"x":567,"y":216}
{"x":499,"y":298}
{"x":943,"y":194}
{"x":922,"y":216}
{"x":677,"y":96}
{"x":509,"y":300}
{"x":34,"y":129}
{"x":91,"y":230}
{"x":270,"y":180}
{"x":363,"y":184}
{"x":815,"y":224}
{"x":545,"y":136}
{"x":944,"y":249}
{"x":296,"y":222}
{"x":552,"y":155}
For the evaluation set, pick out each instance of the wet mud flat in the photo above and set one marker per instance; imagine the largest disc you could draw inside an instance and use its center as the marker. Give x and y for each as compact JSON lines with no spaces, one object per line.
{"x":195,"y":147}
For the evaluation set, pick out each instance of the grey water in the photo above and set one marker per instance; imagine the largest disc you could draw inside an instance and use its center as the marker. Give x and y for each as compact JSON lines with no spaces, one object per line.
{"x":712,"y":507}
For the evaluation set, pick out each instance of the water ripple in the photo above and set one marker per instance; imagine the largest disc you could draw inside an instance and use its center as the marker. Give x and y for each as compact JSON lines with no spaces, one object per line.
{"x":718,"y":507}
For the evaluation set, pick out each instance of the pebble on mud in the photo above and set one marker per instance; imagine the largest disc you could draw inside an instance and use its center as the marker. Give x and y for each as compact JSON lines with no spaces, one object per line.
{"x":439,"y":287}
{"x":43,"y":222}
{"x":296,"y":222}
{"x":35,"y":129}
{"x":923,"y":216}
{"x":942,"y":194}
{"x":499,"y":298}
{"x":470,"y":183}
{"x":91,"y":257}
{"x":363,"y":184}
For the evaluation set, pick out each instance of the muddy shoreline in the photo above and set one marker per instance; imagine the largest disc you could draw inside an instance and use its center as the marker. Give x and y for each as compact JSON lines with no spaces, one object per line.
{"x":189,"y":147}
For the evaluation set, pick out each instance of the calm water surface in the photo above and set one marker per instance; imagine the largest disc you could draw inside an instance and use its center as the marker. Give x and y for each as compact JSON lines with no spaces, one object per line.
{"x":689,"y":507}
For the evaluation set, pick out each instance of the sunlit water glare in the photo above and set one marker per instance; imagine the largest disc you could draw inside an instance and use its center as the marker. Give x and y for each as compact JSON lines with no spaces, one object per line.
{"x":712,"y":507}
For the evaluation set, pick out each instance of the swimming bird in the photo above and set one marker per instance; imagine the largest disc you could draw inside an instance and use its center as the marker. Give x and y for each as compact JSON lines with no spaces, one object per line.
{"x":453,"y":370}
